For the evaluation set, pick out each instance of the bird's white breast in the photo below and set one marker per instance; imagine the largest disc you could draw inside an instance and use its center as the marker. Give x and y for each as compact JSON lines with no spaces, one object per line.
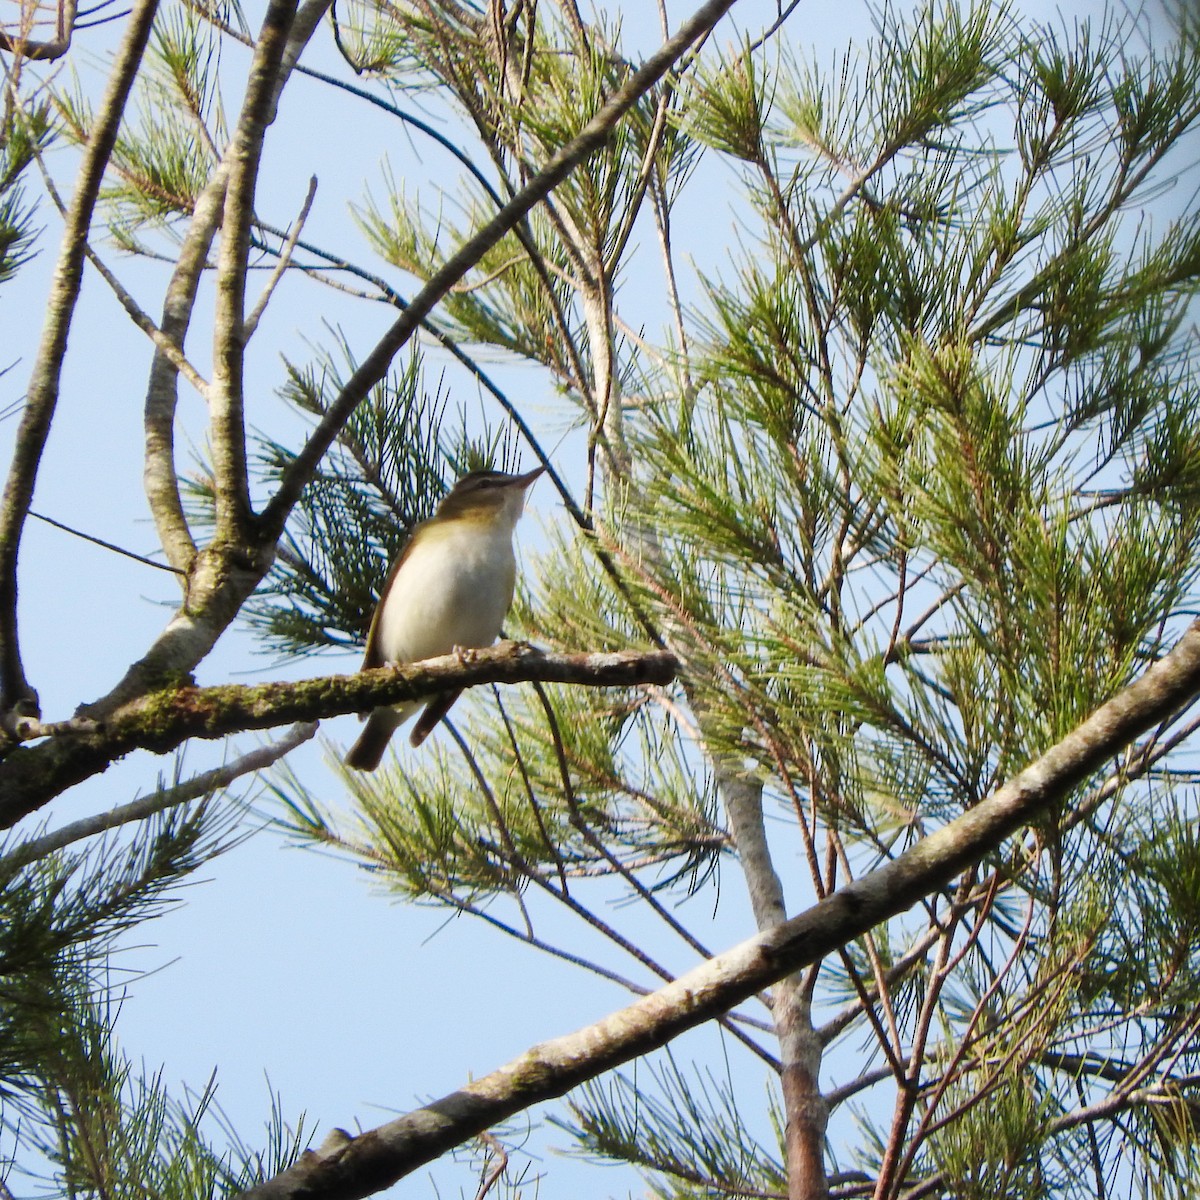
{"x":453,"y":589}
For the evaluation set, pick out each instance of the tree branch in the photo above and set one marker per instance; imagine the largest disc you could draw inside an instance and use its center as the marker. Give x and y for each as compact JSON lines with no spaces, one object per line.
{"x":226,"y":400}
{"x":222,"y":574}
{"x":41,"y":398}
{"x":20,"y":45}
{"x":282,"y":263}
{"x":160,"y":721}
{"x":379,"y":1157}
{"x":161,"y":475}
{"x":162,"y":798}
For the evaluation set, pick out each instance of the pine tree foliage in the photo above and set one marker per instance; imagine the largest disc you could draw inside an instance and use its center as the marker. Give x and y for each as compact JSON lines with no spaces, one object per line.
{"x":116,"y":1132}
{"x":934,"y":455}
{"x":654,"y":1127}
{"x":70,"y":1100}
{"x":25,"y":131}
{"x":908,"y":481}
{"x":161,"y":163}
{"x":379,"y":479}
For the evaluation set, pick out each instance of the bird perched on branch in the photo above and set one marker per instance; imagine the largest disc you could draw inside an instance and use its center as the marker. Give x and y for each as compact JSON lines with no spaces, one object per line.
{"x":449,"y":589}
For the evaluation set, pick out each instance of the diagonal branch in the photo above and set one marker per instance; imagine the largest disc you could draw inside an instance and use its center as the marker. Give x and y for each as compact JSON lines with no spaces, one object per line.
{"x":136,"y":313}
{"x":42,"y":396}
{"x":375,"y":366}
{"x":162,"y":798}
{"x":283,"y":261}
{"x":379,"y":1157}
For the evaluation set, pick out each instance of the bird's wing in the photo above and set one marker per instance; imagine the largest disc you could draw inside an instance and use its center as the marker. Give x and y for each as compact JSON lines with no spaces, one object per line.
{"x":372,"y":657}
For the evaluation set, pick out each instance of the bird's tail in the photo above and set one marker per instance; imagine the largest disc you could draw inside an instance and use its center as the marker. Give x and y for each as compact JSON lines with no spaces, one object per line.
{"x":435,"y":710}
{"x":366,"y":753}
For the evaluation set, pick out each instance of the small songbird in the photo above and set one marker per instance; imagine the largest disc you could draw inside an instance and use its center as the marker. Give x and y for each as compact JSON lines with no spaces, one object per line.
{"x":450,"y":588}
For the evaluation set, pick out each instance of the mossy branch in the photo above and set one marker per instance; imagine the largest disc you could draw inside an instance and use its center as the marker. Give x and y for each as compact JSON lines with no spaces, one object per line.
{"x":162,"y":720}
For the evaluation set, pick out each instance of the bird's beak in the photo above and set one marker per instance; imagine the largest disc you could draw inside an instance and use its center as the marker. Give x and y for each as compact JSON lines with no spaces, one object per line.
{"x":523,"y":481}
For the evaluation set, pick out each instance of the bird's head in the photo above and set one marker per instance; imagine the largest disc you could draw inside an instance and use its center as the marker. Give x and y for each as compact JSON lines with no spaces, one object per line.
{"x":486,"y":496}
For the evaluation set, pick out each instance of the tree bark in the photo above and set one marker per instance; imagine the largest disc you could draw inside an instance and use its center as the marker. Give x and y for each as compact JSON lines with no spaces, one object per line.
{"x":162,"y":720}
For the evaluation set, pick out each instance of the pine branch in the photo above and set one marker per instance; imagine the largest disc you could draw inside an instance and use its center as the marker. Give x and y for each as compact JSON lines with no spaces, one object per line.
{"x":375,"y":366}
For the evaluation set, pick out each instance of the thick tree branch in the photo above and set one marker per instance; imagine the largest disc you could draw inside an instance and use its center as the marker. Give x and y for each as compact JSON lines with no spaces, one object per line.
{"x":34,"y":51}
{"x":379,"y":1157}
{"x":806,"y":1113}
{"x":162,"y":720}
{"x":42,"y":397}
{"x":161,"y":473}
{"x":160,"y":476}
{"x":375,"y":366}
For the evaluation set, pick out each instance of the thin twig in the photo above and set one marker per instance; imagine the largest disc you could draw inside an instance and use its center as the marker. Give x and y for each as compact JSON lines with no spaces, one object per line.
{"x":88,"y":537}
{"x":164,"y":798}
{"x":281,"y":265}
{"x":498,"y":1167}
{"x":138,"y":315}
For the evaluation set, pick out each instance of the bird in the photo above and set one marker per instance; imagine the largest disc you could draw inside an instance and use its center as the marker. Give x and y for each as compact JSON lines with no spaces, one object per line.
{"x":449,"y":589}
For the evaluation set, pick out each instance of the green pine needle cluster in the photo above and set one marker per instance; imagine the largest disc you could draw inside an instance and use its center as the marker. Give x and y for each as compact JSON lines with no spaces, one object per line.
{"x":25,"y":133}
{"x":69,"y":1098}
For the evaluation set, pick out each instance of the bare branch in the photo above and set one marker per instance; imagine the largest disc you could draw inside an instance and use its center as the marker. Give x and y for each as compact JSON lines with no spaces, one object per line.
{"x":21,"y":45}
{"x":222,"y":574}
{"x":136,"y":313}
{"x":42,"y":396}
{"x":281,"y":265}
{"x":162,"y":343}
{"x":163,"y":798}
{"x":161,"y":475}
{"x":232,"y":484}
{"x":97,"y":541}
